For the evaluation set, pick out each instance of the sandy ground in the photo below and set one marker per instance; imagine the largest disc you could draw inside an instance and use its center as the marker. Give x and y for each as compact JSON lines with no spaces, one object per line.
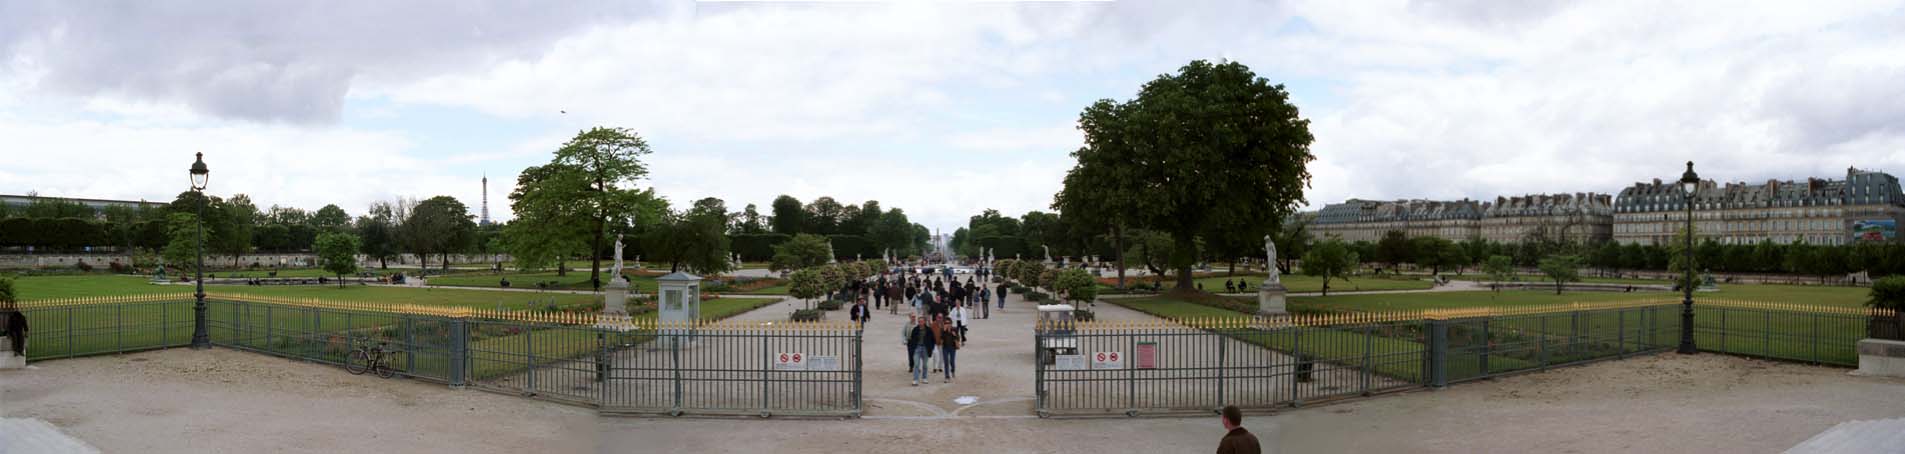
{"x":222,"y":400}
{"x":229,"y":401}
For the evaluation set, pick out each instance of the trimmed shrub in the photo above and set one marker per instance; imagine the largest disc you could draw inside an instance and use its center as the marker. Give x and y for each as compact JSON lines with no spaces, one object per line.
{"x":1083,"y":315}
{"x":807,"y":315}
{"x":829,"y":305}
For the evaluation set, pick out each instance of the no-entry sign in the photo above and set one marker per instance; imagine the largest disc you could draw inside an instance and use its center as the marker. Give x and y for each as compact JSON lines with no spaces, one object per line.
{"x":1107,"y":360}
{"x":789,"y":361}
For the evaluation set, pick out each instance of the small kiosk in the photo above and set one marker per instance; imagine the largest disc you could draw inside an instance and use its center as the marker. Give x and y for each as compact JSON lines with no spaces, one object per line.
{"x":678,"y":299}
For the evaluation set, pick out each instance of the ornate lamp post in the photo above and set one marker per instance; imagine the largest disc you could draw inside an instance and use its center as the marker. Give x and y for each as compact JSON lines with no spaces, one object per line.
{"x":1689,"y":183}
{"x":200,"y":175}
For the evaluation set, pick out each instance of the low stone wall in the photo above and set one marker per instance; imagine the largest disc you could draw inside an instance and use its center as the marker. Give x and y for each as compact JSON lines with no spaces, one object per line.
{"x":1883,"y":358}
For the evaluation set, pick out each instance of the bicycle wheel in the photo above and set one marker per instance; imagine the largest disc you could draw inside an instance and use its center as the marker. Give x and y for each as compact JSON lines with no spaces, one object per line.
{"x":383,"y":367}
{"x":357,"y":363}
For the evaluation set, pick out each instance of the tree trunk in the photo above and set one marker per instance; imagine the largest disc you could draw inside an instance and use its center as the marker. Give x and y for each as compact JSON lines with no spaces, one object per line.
{"x":423,"y":263}
{"x":1557,"y":286}
{"x":1186,"y":257}
{"x":1326,"y":284}
{"x":595,"y":255}
{"x":1117,"y":237}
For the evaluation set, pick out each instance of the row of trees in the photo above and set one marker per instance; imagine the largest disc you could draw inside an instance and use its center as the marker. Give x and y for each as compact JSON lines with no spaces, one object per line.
{"x":1439,"y":255}
{"x":587,"y":195}
{"x":235,"y":226}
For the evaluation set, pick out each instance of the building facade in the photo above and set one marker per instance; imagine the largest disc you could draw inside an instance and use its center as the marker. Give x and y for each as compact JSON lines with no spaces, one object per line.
{"x":1577,"y":217}
{"x":1865,"y":206}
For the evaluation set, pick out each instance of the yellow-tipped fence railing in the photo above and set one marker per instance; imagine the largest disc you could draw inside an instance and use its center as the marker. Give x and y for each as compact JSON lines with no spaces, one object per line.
{"x":1391,"y":316}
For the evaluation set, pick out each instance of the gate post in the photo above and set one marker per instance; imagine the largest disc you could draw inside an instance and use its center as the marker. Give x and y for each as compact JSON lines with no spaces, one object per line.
{"x":1439,"y":353}
{"x":459,"y":352}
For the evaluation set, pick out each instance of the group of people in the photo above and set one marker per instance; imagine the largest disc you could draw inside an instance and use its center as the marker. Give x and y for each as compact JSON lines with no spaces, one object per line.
{"x":940,"y":310}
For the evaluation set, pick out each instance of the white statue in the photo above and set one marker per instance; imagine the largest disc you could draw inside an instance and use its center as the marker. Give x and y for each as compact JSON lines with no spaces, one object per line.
{"x":1048,"y":253}
{"x":1270,"y":253}
{"x":618,"y":258}
{"x":830,"y":250}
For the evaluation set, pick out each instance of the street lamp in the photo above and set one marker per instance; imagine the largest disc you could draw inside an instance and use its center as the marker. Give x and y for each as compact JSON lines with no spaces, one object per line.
{"x":1689,"y":182}
{"x":200,"y":176}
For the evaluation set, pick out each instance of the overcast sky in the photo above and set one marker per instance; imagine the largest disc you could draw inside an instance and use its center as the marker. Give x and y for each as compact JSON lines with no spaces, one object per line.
{"x":940,"y":108}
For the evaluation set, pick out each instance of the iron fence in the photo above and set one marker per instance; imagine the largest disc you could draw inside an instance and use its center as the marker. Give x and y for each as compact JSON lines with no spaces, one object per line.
{"x":803,"y":369}
{"x":69,"y":330}
{"x":1162,"y":368}
{"x":423,"y":346}
{"x":1807,"y":333}
{"x":1482,"y":347}
{"x":1169,"y":367}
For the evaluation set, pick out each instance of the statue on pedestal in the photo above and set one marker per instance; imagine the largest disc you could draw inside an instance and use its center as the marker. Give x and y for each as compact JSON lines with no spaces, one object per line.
{"x":615,"y":299}
{"x":1048,"y":253}
{"x":1270,"y":254}
{"x":830,"y":251}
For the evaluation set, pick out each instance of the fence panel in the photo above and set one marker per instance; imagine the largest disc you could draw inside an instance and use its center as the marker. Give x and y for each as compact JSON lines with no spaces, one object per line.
{"x":1119,"y":368}
{"x":1821,"y":335}
{"x":1482,"y":347}
{"x":546,"y":360}
{"x":736,"y":369}
{"x":69,"y":330}
{"x":422,"y":344}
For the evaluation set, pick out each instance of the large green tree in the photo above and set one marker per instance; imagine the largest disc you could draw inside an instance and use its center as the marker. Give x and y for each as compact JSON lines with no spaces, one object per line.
{"x":1561,"y":269}
{"x":439,"y":225}
{"x":330,"y":218}
{"x":1329,"y":259}
{"x":1210,"y":136}
{"x":789,"y":218}
{"x":181,"y":247}
{"x":337,"y":253}
{"x":609,"y":161}
{"x":800,"y":252}
{"x":378,"y":231}
{"x":693,"y":240}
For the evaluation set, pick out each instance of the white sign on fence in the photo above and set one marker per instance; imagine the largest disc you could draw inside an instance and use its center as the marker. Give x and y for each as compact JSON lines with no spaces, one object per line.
{"x":823,"y":363}
{"x":1069,"y":362}
{"x":1107,"y":360}
{"x":789,"y":361}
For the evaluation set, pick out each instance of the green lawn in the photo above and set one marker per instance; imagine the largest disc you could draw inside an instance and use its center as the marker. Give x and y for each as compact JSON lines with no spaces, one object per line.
{"x":1305,"y":284}
{"x":31,"y":288}
{"x":575,"y":280}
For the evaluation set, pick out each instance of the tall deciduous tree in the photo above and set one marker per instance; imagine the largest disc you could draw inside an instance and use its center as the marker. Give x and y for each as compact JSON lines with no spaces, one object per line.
{"x":1561,"y":269}
{"x":181,"y":247}
{"x":800,"y":252}
{"x":438,"y":225}
{"x":337,"y":253}
{"x":1329,"y":259}
{"x":379,"y":233}
{"x":789,"y":217}
{"x":331,"y":219}
{"x":1210,"y":136}
{"x":609,"y":160}
{"x":693,"y":240}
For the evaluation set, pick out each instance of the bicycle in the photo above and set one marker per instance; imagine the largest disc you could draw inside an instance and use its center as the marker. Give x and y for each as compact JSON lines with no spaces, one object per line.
{"x":371,"y":359}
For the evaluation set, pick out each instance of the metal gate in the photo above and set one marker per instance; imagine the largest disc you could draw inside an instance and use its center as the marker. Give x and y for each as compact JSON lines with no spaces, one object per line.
{"x":733,"y":368}
{"x":1112,"y":368}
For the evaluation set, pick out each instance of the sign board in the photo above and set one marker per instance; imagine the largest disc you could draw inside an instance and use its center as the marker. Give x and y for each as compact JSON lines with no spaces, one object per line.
{"x":1069,"y":362}
{"x":1877,"y":230}
{"x":1107,"y":360}
{"x":818,"y":362}
{"x":1147,"y":355}
{"x":789,"y":361}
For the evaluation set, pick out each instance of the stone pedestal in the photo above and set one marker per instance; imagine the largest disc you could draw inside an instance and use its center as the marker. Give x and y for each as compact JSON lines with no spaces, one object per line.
{"x":615,"y":307}
{"x":8,"y":361}
{"x":1271,"y":298}
{"x":1881,"y":358}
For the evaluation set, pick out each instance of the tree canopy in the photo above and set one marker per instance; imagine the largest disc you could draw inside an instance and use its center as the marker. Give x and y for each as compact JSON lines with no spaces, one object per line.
{"x":1212,"y":135}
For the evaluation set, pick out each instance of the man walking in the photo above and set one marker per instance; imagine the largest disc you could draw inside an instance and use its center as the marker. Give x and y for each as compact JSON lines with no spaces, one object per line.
{"x":1236,"y":439}
{"x":985,"y":296}
{"x":1001,"y":295}
{"x":921,"y":340}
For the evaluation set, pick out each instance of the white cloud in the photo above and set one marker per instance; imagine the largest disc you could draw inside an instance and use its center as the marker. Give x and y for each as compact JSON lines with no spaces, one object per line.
{"x":946,"y":109}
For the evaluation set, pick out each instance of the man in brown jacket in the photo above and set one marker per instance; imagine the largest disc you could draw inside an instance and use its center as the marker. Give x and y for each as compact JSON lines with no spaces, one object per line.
{"x":1238,"y":440}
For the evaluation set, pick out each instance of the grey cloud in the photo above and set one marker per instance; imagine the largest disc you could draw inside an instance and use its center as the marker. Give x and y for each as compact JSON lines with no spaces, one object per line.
{"x":289,"y":62}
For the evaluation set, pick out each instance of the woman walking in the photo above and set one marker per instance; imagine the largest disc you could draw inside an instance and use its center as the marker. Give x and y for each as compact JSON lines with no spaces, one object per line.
{"x":949,"y":351}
